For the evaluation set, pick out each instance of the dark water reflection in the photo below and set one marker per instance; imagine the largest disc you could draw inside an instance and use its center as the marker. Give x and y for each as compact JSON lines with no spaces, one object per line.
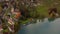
{"x":44,"y":27}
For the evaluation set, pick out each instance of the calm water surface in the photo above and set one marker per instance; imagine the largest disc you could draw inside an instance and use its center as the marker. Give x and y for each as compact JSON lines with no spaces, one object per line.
{"x":44,"y":27}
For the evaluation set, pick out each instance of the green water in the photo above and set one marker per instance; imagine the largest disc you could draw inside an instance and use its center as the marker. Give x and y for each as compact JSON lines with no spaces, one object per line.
{"x":45,"y":27}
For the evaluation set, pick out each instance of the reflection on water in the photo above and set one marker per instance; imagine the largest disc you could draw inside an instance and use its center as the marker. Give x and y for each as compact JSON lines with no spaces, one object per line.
{"x":45,"y":27}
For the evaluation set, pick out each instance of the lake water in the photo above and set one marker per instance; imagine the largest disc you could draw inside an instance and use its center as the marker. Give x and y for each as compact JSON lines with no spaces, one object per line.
{"x":45,"y":27}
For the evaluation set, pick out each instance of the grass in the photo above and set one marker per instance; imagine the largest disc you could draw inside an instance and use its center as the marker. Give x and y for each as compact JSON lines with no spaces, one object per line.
{"x":42,"y":10}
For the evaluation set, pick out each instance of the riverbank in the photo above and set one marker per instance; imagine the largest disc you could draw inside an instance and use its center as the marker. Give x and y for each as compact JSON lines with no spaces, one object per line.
{"x":30,"y":12}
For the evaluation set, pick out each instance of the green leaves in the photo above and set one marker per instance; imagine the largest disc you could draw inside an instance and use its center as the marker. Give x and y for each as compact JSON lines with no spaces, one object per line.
{"x":24,"y":21}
